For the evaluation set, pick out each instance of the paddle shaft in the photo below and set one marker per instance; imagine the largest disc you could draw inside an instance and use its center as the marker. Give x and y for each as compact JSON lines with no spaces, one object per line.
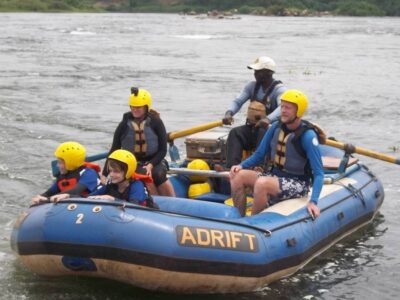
{"x":210,"y":173}
{"x":365,"y":152}
{"x":190,"y":172}
{"x":181,"y":133}
{"x":54,"y":167}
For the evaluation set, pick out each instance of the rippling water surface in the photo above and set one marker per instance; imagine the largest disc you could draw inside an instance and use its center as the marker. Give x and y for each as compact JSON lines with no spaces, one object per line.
{"x":67,"y":77}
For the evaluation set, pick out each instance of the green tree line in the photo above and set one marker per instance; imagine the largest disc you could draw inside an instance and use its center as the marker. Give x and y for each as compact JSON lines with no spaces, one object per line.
{"x":267,"y":7}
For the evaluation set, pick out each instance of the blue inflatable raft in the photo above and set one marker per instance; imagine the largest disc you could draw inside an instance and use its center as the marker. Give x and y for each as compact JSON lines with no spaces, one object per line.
{"x":193,"y":246}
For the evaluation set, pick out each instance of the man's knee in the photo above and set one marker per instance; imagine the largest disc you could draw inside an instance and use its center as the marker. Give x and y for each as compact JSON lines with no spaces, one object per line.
{"x":244,"y":178}
{"x":266,"y":183}
{"x":238,"y":180}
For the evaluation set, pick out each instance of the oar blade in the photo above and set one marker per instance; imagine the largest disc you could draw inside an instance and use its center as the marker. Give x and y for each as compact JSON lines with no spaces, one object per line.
{"x":174,"y":153}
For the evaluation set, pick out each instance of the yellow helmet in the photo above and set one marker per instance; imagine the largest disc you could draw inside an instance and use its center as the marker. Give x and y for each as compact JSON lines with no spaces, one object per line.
{"x":140,"y":97}
{"x":198,"y":164}
{"x":127,"y":158}
{"x":298,"y":98}
{"x":72,"y":153}
{"x":197,"y":189}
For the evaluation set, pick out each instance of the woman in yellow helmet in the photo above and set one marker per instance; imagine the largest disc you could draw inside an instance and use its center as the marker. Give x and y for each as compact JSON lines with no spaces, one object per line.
{"x":75,"y":177}
{"x":143,"y":133}
{"x":121,"y":166}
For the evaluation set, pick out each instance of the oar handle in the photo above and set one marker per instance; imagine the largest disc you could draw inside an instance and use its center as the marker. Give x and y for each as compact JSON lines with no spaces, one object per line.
{"x":181,"y":133}
{"x":365,"y":152}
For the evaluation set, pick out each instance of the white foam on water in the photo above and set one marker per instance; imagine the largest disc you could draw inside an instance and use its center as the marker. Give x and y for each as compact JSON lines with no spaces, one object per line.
{"x":3,"y":168}
{"x":81,"y":32}
{"x":330,"y":265}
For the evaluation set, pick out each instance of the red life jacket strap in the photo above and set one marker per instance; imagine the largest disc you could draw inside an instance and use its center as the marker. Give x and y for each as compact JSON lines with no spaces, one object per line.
{"x":93,"y":166}
{"x":142,"y":177}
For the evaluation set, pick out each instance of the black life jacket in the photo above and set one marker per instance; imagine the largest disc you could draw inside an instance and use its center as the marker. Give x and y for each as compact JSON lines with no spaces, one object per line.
{"x":71,"y":178}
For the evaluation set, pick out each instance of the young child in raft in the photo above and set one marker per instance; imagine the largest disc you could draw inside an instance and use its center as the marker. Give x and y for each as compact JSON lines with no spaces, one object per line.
{"x":74,"y":177}
{"x":121,"y":165}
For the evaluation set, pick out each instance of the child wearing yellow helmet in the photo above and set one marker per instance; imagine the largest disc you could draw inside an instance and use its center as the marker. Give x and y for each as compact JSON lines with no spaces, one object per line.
{"x":122,"y":183}
{"x":74,"y":178}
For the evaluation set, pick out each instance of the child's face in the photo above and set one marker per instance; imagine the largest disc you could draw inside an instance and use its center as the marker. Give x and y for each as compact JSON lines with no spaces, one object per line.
{"x":61,"y":166}
{"x":116,"y":175}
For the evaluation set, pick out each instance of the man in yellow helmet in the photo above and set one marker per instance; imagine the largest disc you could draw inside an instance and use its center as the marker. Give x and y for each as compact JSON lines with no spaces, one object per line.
{"x":263,"y":109}
{"x":292,"y":148}
{"x":76,"y":177}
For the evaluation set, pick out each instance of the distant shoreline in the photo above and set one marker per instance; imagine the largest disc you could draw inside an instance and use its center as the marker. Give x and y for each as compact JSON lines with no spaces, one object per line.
{"x":284,"y":8}
{"x":197,"y":15}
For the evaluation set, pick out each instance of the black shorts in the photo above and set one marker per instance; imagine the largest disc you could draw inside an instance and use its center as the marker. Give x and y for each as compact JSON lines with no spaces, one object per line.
{"x":159,"y":172}
{"x":290,"y":188}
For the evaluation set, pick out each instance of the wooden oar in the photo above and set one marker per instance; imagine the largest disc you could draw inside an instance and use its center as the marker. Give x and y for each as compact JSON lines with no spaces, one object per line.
{"x":54,"y":167}
{"x":173,"y":150}
{"x":181,"y":133}
{"x":365,"y":152}
{"x":174,"y":153}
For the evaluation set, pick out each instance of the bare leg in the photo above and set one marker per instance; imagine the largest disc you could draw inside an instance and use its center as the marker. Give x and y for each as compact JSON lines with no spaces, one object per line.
{"x":243,"y":179}
{"x":263,"y":188}
{"x":152,"y":189}
{"x":166,"y":189}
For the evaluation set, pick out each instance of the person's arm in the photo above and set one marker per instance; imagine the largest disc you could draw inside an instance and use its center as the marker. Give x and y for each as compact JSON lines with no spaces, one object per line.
{"x":51,"y":191}
{"x":310,"y":144}
{"x":137,"y":193}
{"x":44,"y":197}
{"x":159,"y":128}
{"x":259,"y":155}
{"x":244,"y":95}
{"x":101,"y":190}
{"x":277,"y":93}
{"x":90,"y":179}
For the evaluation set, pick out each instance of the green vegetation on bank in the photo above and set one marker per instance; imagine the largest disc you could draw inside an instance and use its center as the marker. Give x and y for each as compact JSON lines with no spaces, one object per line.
{"x":262,"y":7}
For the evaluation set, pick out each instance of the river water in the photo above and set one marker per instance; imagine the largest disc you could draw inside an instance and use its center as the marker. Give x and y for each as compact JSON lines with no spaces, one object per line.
{"x":67,"y":77}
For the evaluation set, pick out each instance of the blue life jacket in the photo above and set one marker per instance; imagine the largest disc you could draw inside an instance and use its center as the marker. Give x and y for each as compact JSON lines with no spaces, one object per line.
{"x":287,"y":156}
{"x":140,"y":139}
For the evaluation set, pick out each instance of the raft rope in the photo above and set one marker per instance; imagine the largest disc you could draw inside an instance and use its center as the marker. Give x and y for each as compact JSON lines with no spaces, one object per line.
{"x":267,"y":232}
{"x":354,"y":192}
{"x":124,"y":205}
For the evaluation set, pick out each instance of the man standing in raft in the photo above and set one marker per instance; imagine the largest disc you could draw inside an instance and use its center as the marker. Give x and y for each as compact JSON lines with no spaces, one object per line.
{"x":292,"y":148}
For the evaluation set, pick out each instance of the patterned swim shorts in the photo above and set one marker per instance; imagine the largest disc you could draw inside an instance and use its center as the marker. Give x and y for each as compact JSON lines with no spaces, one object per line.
{"x":290,"y":188}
